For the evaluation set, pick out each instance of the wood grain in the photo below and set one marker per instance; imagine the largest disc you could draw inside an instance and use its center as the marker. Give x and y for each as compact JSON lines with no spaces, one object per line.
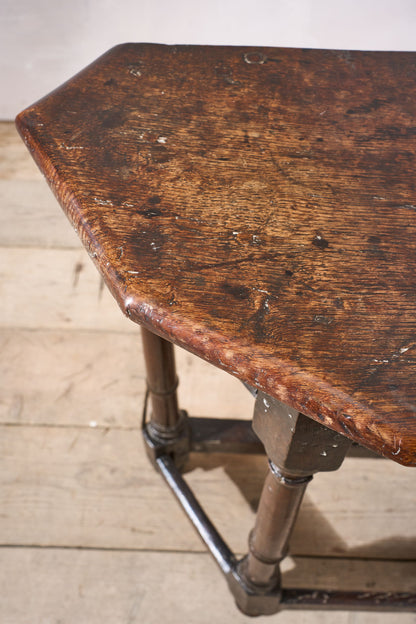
{"x":90,"y":587}
{"x":93,"y":487}
{"x":28,"y":215}
{"x":258,"y":208}
{"x":72,"y":294}
{"x":14,"y":164}
{"x":30,"y":205}
{"x":77,"y":377}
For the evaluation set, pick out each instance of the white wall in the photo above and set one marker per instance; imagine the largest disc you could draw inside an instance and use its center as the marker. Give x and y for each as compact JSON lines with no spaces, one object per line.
{"x":44,"y":42}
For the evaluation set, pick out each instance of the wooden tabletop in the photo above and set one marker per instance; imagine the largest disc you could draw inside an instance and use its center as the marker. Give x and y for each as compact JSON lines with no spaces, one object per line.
{"x":257,"y":207}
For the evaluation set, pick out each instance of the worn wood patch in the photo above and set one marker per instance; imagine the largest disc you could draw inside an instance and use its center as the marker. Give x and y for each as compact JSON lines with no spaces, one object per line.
{"x":89,"y":587}
{"x":256,"y":206}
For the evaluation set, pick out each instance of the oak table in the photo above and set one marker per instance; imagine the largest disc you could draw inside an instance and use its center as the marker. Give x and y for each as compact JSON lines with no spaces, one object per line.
{"x":257,"y":207}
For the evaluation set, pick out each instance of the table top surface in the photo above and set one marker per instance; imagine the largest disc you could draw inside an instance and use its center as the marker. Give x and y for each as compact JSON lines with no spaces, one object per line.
{"x":257,"y":207}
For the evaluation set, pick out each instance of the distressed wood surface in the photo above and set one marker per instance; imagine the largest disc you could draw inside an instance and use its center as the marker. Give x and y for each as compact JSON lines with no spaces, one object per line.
{"x":90,"y":587}
{"x":258,"y":208}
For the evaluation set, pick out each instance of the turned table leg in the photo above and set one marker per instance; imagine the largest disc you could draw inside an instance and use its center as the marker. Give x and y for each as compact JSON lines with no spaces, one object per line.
{"x":162,"y":383}
{"x":268,"y":542}
{"x":297,"y":447}
{"x":168,"y":428}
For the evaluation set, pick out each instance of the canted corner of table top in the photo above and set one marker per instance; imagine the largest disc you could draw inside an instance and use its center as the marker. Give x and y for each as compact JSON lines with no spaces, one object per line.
{"x":256,"y":206}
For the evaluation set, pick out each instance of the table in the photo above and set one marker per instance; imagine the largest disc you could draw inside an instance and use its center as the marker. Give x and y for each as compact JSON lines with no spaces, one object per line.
{"x":257,"y":207}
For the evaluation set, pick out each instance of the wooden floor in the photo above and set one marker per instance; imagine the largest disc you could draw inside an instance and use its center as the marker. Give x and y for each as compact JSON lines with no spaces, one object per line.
{"x":88,"y":532}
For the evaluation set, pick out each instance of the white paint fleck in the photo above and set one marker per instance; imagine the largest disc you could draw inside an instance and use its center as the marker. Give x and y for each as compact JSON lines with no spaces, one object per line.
{"x":103,"y":202}
{"x":404,"y":349}
{"x":72,"y":147}
{"x":133,"y":272}
{"x":399,"y":448}
{"x":146,"y":309}
{"x":324,"y":453}
{"x":235,"y":233}
{"x":266,"y":403}
{"x":93,"y":423}
{"x":162,"y":139}
{"x":256,"y":58}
